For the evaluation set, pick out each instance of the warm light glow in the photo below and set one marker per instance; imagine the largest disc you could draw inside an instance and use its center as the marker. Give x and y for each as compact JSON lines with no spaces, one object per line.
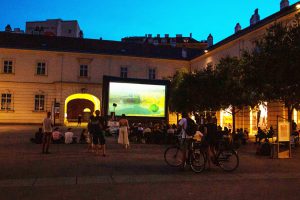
{"x":295,"y":116}
{"x":205,"y":51}
{"x":251,"y":122}
{"x":226,"y":118}
{"x":89,"y":97}
{"x":87,"y":110}
{"x":298,"y":6}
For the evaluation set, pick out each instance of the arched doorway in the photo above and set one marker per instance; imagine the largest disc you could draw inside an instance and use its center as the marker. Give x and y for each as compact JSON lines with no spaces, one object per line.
{"x":79,"y":104}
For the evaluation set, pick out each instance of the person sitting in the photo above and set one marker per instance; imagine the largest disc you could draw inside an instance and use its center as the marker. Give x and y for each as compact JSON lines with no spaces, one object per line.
{"x":38,"y":137}
{"x":140,"y":131}
{"x":271,"y":132}
{"x":57,"y":136}
{"x":83,"y":137}
{"x":69,"y":136}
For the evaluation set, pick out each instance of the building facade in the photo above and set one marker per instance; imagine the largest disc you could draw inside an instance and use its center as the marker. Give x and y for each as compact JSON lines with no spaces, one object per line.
{"x":53,"y":74}
{"x":266,"y":114}
{"x":41,"y":73}
{"x":54,"y":27}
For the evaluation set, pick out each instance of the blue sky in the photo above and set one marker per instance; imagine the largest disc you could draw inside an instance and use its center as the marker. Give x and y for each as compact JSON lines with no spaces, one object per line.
{"x":114,"y":19}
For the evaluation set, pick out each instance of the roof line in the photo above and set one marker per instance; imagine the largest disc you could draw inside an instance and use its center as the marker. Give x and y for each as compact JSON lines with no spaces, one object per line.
{"x":261,"y":23}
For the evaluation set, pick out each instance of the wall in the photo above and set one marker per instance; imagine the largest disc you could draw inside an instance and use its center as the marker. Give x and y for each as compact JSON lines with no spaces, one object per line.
{"x":62,"y":78}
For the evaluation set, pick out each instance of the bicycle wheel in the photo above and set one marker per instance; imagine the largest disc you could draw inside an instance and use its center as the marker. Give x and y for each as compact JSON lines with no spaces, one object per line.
{"x":197,"y":160}
{"x":228,"y":160}
{"x":173,"y":156}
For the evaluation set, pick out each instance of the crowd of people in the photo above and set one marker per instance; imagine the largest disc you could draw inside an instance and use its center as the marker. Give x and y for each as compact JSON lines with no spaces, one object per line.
{"x":150,"y":133}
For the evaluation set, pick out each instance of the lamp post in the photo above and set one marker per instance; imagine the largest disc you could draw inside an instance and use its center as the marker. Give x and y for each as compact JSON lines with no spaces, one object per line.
{"x":113,"y":114}
{"x":115,"y":105}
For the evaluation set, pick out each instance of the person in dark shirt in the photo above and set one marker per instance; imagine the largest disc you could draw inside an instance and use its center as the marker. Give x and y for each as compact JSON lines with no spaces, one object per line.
{"x":211,"y":137}
{"x":38,"y":137}
{"x":97,"y":128}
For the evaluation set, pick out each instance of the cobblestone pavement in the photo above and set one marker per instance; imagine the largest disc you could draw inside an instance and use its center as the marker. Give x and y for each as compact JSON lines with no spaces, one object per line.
{"x":70,"y":172}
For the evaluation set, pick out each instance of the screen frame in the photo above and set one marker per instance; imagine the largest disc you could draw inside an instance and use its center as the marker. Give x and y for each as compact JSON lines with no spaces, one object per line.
{"x":105,"y":93}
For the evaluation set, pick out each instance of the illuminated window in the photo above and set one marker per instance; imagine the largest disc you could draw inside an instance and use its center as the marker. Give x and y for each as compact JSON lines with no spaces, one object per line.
{"x":152,"y":73}
{"x":41,"y":68}
{"x":123,"y":72}
{"x":39,"y":103}
{"x":6,"y":101}
{"x":83,"y":71}
{"x":8,"y":67}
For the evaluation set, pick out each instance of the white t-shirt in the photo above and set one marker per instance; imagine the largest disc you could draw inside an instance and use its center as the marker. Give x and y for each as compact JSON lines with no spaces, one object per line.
{"x":183,"y":124}
{"x":69,"y":137}
{"x":47,"y":125}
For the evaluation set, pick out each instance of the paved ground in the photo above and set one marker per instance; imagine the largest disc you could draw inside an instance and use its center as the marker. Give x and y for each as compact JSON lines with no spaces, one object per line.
{"x":70,"y":172}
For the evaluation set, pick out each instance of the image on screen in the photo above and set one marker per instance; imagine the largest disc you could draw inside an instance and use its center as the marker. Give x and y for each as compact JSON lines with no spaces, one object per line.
{"x":134,"y":99}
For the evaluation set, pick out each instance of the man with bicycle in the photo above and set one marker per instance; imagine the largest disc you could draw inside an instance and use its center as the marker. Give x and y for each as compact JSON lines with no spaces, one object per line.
{"x":186,"y":139}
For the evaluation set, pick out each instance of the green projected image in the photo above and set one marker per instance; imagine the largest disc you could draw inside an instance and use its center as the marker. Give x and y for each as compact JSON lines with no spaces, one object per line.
{"x":137,"y":99}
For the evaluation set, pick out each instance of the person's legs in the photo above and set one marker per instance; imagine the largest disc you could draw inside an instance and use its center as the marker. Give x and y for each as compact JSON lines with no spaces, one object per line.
{"x":44,"y":142}
{"x":48,"y":139}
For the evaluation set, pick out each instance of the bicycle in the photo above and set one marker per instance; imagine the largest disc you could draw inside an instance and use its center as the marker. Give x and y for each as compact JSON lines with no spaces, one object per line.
{"x":173,"y":156}
{"x":226,"y":157}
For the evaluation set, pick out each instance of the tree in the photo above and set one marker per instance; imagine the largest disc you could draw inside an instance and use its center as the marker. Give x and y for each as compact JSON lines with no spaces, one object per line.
{"x":234,"y":91}
{"x":276,"y":61}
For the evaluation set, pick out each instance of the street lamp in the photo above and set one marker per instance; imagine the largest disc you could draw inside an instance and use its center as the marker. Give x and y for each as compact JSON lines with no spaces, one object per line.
{"x":115,"y":105}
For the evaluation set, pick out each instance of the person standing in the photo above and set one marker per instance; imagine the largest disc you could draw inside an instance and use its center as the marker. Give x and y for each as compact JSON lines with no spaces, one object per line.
{"x":123,"y":131}
{"x":47,"y":132}
{"x":79,"y":119}
{"x":186,"y":139}
{"x":97,"y":127}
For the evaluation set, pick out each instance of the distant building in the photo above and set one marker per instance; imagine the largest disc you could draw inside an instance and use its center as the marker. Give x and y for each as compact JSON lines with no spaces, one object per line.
{"x":178,"y":41}
{"x":16,"y":30}
{"x":55,"y":27}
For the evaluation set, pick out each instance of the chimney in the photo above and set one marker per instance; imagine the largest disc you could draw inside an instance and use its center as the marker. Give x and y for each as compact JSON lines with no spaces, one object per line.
{"x":8,"y":28}
{"x":178,"y":35}
{"x":237,"y":28}
{"x":191,"y":35}
{"x":254,"y":18}
{"x":210,"y":40}
{"x":158,"y":35}
{"x":166,"y":35}
{"x":284,"y":3}
{"x":149,"y":35}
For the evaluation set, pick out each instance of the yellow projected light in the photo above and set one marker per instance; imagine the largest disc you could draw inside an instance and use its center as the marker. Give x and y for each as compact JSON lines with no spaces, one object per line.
{"x":89,"y":97}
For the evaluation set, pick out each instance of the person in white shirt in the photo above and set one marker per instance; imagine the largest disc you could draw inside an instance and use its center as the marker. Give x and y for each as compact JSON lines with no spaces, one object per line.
{"x":186,"y":140}
{"x":69,"y":136}
{"x":47,"y":130}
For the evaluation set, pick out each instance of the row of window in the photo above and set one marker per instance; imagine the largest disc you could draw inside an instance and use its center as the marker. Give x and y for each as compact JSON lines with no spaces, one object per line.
{"x":83,"y":70}
{"x":151,"y":73}
{"x":7,"y":103}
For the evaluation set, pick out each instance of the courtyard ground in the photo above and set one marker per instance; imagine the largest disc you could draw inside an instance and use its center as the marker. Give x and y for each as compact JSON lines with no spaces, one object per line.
{"x":70,"y":172}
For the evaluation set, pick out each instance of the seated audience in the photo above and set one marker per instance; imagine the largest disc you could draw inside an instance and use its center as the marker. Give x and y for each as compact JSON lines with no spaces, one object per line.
{"x":57,"y":136}
{"x":38,"y":137}
{"x":83,"y":137}
{"x":69,"y":136}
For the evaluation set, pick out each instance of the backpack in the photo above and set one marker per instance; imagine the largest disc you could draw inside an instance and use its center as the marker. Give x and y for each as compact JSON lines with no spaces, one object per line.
{"x":191,"y":127}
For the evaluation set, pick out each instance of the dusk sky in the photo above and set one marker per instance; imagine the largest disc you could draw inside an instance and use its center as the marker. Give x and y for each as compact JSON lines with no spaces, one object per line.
{"x":114,"y":19}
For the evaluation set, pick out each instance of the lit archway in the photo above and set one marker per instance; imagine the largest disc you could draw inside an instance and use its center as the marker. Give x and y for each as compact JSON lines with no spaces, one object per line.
{"x":83,"y":96}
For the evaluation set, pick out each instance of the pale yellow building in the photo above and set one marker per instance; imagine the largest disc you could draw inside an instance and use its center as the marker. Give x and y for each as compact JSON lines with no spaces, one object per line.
{"x":39,"y":71}
{"x":234,"y":45}
{"x":42,"y":73}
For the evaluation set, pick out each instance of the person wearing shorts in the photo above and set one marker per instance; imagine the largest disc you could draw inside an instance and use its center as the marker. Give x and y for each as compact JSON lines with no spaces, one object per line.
{"x":47,"y":133}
